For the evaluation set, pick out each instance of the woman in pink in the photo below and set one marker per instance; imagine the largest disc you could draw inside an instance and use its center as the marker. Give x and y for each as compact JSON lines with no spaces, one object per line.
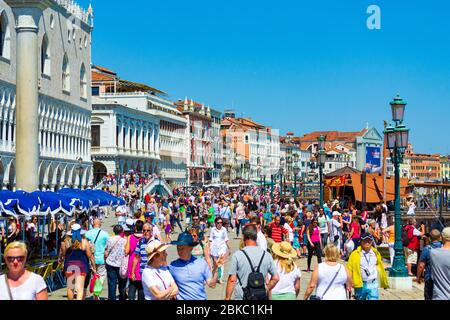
{"x":355,"y":231}
{"x":314,"y":243}
{"x":130,"y":248}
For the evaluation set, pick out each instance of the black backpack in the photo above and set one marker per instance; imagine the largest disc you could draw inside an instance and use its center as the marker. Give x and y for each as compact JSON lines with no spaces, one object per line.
{"x":256,"y":283}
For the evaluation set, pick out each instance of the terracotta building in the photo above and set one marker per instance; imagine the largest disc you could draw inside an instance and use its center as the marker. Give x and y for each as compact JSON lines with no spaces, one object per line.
{"x":424,"y":167}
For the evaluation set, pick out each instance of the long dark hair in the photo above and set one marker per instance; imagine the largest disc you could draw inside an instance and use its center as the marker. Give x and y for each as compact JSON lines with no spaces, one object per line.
{"x":311,"y":226}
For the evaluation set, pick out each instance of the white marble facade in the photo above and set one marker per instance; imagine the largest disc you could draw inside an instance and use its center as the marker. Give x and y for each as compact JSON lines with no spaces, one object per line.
{"x":64,"y":96}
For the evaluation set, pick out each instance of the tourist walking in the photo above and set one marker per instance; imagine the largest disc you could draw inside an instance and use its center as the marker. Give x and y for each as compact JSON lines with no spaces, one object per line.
{"x":314,"y":243}
{"x":78,"y":261}
{"x":366,"y":268}
{"x":18,"y":283}
{"x":139,"y":263}
{"x":425,"y":264}
{"x":440,"y":268}
{"x":157,"y":281}
{"x":288,"y":287}
{"x":99,"y":238}
{"x":114,"y":255}
{"x":251,"y":260}
{"x":330,"y":279}
{"x":191,"y":275}
{"x":219,"y":244}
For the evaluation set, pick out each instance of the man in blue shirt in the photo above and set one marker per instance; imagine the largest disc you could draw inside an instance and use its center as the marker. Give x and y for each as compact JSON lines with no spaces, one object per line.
{"x":99,"y":238}
{"x":424,"y":264}
{"x":192,"y":274}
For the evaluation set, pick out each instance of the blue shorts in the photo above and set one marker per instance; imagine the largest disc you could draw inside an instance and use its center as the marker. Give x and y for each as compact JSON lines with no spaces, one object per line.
{"x":369,"y":291}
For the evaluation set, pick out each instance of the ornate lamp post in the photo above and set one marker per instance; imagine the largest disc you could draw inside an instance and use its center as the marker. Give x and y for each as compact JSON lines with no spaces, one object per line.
{"x":80,"y":171}
{"x":321,"y":158}
{"x":247,"y":169}
{"x":397,"y":142}
{"x":281,"y":182}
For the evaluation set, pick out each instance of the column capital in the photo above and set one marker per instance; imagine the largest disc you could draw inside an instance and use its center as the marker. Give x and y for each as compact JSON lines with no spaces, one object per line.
{"x":28,"y":13}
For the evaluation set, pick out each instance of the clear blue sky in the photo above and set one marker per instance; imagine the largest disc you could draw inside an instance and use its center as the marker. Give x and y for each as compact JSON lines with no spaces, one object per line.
{"x":297,"y":65}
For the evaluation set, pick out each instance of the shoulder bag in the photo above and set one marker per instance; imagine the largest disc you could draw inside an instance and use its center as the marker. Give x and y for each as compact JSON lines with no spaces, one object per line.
{"x":8,"y":289}
{"x":315,"y":297}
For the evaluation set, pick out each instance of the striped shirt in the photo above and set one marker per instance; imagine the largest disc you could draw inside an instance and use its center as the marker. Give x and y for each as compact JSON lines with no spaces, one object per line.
{"x":277,"y":232}
{"x":140,"y":250}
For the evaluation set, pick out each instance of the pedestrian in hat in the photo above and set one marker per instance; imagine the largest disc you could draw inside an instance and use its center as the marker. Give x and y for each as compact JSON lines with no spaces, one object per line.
{"x":366,"y":268}
{"x":288,"y":288}
{"x":157,"y":281}
{"x":191,"y":274}
{"x":78,"y":261}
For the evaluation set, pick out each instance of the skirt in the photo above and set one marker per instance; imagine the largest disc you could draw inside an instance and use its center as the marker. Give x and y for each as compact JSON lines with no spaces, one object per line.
{"x":284,"y":296}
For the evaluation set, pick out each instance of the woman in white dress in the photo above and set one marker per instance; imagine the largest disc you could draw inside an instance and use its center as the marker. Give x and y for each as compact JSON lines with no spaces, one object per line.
{"x":331,"y":279}
{"x":288,"y":227}
{"x":219,"y":244}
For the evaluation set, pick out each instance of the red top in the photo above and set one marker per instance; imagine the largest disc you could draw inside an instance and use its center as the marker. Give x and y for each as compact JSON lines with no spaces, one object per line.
{"x":356,"y":230}
{"x":277,"y":232}
{"x":414,"y":242}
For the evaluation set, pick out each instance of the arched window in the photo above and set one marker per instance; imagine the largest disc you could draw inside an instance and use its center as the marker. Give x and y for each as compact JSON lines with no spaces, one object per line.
{"x":66,"y":74}
{"x":83,"y":81}
{"x":45,"y":57}
{"x":5,"y":36}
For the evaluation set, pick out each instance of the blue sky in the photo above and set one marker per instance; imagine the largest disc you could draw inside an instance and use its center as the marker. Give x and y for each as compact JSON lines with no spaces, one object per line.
{"x":297,"y":65}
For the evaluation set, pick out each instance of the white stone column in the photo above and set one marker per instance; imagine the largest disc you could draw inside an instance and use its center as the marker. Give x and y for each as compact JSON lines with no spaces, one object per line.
{"x":152,"y":140}
{"x":28,"y":14}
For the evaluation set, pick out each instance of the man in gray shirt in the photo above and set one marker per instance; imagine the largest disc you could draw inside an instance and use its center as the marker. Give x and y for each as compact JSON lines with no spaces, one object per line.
{"x":440,"y":268}
{"x":240,"y":266}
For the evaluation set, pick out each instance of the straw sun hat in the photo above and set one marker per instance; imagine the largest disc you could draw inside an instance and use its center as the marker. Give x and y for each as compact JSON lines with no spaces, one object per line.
{"x":284,"y":250}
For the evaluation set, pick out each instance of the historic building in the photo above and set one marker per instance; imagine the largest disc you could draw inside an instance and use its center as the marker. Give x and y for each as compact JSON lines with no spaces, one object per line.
{"x":424,"y":167}
{"x":201,"y":142}
{"x":445,"y":167}
{"x":250,"y":150}
{"x":361,"y":150}
{"x":291,"y":157}
{"x":135,"y":127}
{"x":64,"y":39}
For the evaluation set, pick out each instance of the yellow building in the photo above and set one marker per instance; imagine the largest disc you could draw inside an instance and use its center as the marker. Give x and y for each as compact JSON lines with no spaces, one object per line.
{"x":445,"y":167}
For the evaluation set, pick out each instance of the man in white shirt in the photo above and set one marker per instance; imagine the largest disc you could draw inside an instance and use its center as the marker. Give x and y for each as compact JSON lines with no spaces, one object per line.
{"x":261,"y":240}
{"x":121,"y":214}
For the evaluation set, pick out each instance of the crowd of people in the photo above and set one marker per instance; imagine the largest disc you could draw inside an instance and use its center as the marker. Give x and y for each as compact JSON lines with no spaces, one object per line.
{"x":274,"y":233}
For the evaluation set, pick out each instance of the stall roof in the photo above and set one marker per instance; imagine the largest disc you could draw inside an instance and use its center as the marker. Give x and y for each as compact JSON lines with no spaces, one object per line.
{"x":343,"y":172}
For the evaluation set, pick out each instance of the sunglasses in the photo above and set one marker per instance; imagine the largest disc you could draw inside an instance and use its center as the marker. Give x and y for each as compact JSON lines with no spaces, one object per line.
{"x":147,"y":230}
{"x":219,"y":222}
{"x":12,"y":259}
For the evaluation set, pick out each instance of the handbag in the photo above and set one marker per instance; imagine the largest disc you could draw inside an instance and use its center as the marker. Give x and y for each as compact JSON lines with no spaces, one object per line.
{"x":315,"y":297}
{"x":124,"y":268}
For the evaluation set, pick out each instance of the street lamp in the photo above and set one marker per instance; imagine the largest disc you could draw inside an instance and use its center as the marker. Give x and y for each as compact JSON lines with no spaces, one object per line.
{"x":296,"y":172}
{"x":80,"y":170}
{"x":397,"y":142}
{"x":281,"y":182}
{"x":117,"y":176}
{"x":321,"y":158}
{"x":247,"y":169}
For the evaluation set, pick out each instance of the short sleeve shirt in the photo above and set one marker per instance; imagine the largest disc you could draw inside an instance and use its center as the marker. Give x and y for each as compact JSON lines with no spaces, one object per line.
{"x":425,"y":258}
{"x":140,"y":250}
{"x":190,"y":277}
{"x":100,"y":244}
{"x":27,"y":291}
{"x":240,"y":267}
{"x":159,"y":278}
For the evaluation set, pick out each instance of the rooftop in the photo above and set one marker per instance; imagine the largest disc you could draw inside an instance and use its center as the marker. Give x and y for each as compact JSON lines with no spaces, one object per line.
{"x":75,"y":9}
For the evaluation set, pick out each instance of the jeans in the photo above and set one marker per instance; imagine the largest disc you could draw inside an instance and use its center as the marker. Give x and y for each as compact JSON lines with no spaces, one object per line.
{"x":115,"y":279}
{"x":133,"y":287}
{"x":314,"y":251}
{"x":177,"y":221}
{"x":238,"y":228}
{"x":324,"y":237}
{"x":369,"y":291}
{"x":428,"y":292}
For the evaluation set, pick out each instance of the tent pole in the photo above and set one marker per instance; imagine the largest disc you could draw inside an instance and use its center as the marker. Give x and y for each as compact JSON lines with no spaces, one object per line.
{"x":56,"y":234}
{"x":23,"y":228}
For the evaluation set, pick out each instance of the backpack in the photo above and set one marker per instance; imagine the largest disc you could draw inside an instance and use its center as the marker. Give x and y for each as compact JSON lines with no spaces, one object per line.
{"x":405,"y":237}
{"x":256,"y":284}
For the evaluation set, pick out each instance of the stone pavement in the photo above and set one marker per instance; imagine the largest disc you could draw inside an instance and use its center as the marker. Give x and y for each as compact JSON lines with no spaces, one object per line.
{"x":219,"y":292}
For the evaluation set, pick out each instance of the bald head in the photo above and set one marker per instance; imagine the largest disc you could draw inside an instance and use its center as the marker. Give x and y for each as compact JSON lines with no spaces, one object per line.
{"x":435,"y":235}
{"x":97,"y":223}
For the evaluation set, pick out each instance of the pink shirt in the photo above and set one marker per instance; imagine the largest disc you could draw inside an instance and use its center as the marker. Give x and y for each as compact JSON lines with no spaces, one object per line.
{"x":356,"y":233}
{"x":315,"y":236}
{"x":137,"y":271}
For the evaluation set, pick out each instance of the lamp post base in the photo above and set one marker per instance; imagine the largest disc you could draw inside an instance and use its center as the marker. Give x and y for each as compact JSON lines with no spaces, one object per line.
{"x":400,"y":283}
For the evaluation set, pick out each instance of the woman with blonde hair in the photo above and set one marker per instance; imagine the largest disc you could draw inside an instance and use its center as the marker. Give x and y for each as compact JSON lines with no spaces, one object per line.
{"x":288,"y":288}
{"x":331,"y":279}
{"x":18,"y":283}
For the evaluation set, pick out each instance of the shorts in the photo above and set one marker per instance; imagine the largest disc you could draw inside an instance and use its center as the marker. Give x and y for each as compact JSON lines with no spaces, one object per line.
{"x":411,"y":256}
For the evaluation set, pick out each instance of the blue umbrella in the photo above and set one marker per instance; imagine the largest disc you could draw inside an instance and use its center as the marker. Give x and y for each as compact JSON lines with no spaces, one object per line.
{"x":8,"y":202}
{"x":54,"y":203}
{"x":83,"y":202}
